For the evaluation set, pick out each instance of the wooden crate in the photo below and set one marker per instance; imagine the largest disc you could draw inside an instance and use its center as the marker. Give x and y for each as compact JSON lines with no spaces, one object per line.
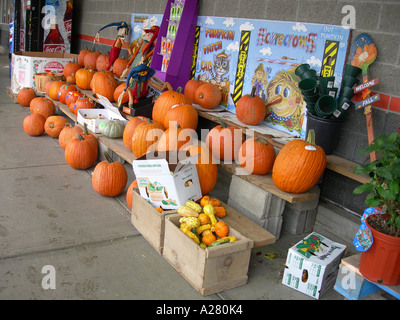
{"x":208,"y":270}
{"x":148,"y":221}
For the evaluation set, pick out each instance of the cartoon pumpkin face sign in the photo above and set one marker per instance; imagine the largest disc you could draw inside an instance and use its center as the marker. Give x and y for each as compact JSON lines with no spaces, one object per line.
{"x":285,"y":102}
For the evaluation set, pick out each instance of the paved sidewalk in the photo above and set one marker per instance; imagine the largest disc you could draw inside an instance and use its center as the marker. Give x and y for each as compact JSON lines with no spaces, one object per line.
{"x":51,"y":216}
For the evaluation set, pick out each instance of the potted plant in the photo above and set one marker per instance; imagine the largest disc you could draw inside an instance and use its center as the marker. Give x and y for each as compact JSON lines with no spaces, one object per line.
{"x":381,"y":262}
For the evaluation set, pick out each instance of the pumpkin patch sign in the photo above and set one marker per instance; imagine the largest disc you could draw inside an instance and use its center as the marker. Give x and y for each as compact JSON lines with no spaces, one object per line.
{"x":240,"y":54}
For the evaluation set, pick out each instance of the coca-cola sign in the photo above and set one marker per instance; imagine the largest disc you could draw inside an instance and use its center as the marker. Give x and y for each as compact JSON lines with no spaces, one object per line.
{"x":55,"y":48}
{"x":53,"y":66}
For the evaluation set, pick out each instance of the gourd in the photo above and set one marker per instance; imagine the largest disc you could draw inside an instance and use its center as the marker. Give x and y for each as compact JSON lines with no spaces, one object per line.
{"x":25,"y":96}
{"x":219,"y":242}
{"x":208,"y":96}
{"x":209,"y":200}
{"x":194,"y":205}
{"x":109,"y":177}
{"x":42,"y":105}
{"x":189,"y":233}
{"x":33,"y":124}
{"x":208,"y":209}
{"x":54,"y":125}
{"x":204,"y":219}
{"x":251,"y":109}
{"x":81,"y":152}
{"x":191,"y":222}
{"x":221,"y":229}
{"x":208,"y":239}
{"x":113,"y":129}
{"x":185,"y":211}
{"x":220,"y":212}
{"x":202,"y":228}
{"x":256,"y":156}
{"x":224,"y":141}
{"x":299,"y":165}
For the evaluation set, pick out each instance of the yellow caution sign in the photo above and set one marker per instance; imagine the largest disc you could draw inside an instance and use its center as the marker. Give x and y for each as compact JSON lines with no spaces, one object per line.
{"x":330,"y":57}
{"x":195,"y":49}
{"x":241,"y":65}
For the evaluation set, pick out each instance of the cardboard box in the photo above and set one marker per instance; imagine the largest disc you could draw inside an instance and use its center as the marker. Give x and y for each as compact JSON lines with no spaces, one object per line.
{"x":167,"y":179}
{"x":208,"y":270}
{"x":94,"y":117}
{"x":312,"y":265}
{"x":25,"y":65}
{"x":148,"y":221}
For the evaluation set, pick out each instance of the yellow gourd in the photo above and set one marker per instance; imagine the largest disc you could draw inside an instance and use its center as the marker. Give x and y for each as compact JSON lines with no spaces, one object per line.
{"x":185,"y":211}
{"x":210,"y":211}
{"x":194,"y":205}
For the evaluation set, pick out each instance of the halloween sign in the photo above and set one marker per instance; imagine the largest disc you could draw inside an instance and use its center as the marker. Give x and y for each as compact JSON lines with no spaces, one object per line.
{"x":237,"y":54}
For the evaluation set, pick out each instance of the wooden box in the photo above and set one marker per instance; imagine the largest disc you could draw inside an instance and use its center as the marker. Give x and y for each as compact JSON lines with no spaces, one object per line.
{"x":148,"y":221}
{"x":208,"y":270}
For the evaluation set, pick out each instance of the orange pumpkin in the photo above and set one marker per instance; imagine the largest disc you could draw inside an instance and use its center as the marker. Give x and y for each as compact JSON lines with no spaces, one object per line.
{"x":208,"y":239}
{"x":90,"y":59}
{"x":84,"y":77}
{"x":174,"y":138}
{"x":221,"y":229}
{"x":63,"y":90}
{"x":164,"y":102}
{"x":83,"y":103}
{"x":145,"y":137}
{"x":102,"y":62}
{"x":206,"y":166}
{"x":44,"y":106}
{"x":55,"y":86}
{"x":54,"y":125}
{"x":104,"y":83}
{"x":70,"y":69}
{"x":251,"y":109}
{"x":72,"y":96}
{"x":204,"y":219}
{"x":299,"y":165}
{"x":47,"y":86}
{"x":67,"y":133}
{"x":109,"y":177}
{"x":208,"y":95}
{"x":130,"y":128}
{"x":184,"y":115}
{"x":81,"y":153}
{"x":33,"y":124}
{"x":256,"y":156}
{"x":81,"y":56}
{"x":190,"y":89}
{"x":129,"y":193}
{"x":25,"y":96}
{"x":119,"y":66}
{"x":224,"y":141}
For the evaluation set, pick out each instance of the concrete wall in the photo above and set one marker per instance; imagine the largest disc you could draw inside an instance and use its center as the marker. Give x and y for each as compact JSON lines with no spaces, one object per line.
{"x":379,"y":18}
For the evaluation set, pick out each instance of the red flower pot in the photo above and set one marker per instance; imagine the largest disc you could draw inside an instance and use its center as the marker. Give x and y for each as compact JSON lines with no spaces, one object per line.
{"x":381,"y":262}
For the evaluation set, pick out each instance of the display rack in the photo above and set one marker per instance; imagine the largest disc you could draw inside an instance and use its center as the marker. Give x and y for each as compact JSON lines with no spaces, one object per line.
{"x":178,"y":71}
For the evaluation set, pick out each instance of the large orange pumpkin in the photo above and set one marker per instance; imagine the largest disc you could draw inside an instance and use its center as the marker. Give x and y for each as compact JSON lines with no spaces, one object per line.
{"x":33,"y":124}
{"x":83,"y":78}
{"x":164,"y":102}
{"x":190,"y":89}
{"x":119,"y":66}
{"x":67,"y":133}
{"x":63,"y":90}
{"x":104,"y":83}
{"x":207,"y":169}
{"x":44,"y":106}
{"x":90,"y":60}
{"x":55,"y":86}
{"x":184,"y":114}
{"x":109,"y":177}
{"x":299,"y":165}
{"x":70,"y":69}
{"x":256,"y":156}
{"x":81,"y":152}
{"x":174,"y":138}
{"x":25,"y":96}
{"x":81,"y":56}
{"x":54,"y":125}
{"x":130,"y":128}
{"x":145,"y":137}
{"x":208,"y":95}
{"x":224,"y":141}
{"x":129,"y":193}
{"x":250,"y":109}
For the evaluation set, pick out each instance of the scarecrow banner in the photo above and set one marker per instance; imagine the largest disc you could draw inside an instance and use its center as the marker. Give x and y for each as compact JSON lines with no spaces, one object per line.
{"x":238,"y":54}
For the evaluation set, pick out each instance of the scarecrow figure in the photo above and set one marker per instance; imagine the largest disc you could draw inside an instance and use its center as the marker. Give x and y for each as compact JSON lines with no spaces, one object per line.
{"x":137,"y":84}
{"x":123,"y":30}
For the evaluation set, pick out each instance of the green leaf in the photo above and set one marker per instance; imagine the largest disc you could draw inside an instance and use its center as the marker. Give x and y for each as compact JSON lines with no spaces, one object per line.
{"x":363,"y":188}
{"x":372,"y":202}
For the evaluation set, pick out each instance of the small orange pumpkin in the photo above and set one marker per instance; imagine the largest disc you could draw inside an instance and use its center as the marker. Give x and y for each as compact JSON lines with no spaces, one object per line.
{"x":184,"y":115}
{"x":102,"y":62}
{"x":130,"y":128}
{"x":44,"y":106}
{"x":81,"y":153}
{"x":70,"y":69}
{"x":256,"y":156}
{"x":208,"y":239}
{"x":67,"y":133}
{"x":54,"y":125}
{"x":204,"y":219}
{"x":221,"y":229}
{"x":55,"y":86}
{"x":119,"y":66}
{"x":25,"y":96}
{"x":81,"y":56}
{"x":90,"y":58}
{"x":190,"y":89}
{"x":104,"y":83}
{"x":63,"y":90}
{"x":251,"y":109}
{"x":83,"y":103}
{"x":145,"y":137}
{"x":33,"y":124}
{"x":208,"y":95}
{"x":83,"y":77}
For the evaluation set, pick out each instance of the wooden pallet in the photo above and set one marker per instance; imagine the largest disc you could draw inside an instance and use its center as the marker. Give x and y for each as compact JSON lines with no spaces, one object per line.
{"x":354,"y":286}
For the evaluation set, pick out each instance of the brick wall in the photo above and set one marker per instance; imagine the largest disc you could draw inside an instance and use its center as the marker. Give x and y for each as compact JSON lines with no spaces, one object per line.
{"x":379,"y":18}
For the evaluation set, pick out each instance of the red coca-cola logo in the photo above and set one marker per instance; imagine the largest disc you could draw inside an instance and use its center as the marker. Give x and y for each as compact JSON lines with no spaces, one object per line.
{"x":55,"y":48}
{"x":53,"y":66}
